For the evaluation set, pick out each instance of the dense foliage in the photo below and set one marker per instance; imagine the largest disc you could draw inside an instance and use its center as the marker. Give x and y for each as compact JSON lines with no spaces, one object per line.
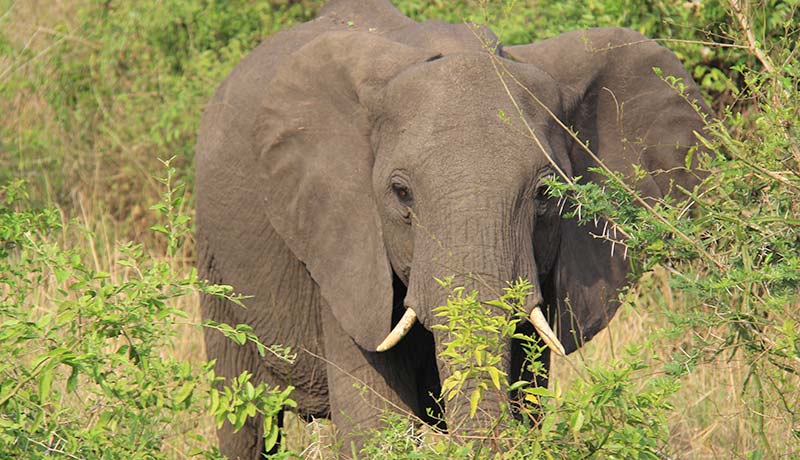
{"x":91,"y":359}
{"x":87,"y":370}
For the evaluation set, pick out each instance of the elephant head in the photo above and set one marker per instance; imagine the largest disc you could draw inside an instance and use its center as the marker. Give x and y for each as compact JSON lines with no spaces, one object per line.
{"x":383,"y":161}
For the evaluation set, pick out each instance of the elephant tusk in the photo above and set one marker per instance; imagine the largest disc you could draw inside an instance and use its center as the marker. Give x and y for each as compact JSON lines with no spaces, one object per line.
{"x":547,"y":334}
{"x":399,"y":331}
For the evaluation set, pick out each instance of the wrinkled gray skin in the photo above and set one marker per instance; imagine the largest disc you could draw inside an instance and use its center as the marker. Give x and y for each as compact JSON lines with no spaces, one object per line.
{"x":347,"y":161}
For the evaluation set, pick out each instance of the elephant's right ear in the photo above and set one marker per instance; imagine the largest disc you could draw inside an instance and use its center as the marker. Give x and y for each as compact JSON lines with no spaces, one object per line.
{"x":316,"y":170}
{"x":637,"y":125}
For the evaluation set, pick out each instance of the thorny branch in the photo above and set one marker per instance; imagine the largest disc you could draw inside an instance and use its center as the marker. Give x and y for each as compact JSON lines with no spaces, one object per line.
{"x":742,"y":14}
{"x":502,"y":70}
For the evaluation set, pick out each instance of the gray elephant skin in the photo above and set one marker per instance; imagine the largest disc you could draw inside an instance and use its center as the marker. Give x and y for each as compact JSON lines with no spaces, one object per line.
{"x":347,"y":161}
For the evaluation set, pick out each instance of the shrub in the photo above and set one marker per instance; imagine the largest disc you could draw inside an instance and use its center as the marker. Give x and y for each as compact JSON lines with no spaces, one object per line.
{"x":609,"y":414}
{"x":112,"y":88}
{"x":86,"y":370}
{"x":735,"y":261}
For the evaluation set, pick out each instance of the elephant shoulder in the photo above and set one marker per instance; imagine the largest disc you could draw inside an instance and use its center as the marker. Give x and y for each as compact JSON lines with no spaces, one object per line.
{"x":229,"y":118}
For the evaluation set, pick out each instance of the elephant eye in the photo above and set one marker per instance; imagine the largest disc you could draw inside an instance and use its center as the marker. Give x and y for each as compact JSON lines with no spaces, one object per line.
{"x":401,"y":192}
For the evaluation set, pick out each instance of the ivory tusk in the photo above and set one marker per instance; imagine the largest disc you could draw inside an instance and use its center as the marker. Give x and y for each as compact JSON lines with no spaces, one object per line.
{"x":399,"y":331}
{"x":547,"y":334}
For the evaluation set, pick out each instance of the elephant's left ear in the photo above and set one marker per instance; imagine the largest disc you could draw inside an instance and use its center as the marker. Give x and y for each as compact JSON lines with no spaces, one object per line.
{"x":316,"y":170}
{"x":616,"y":96}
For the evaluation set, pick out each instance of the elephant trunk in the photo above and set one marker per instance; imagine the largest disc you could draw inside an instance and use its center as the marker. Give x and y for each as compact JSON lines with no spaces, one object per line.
{"x":483,"y":254}
{"x":458,"y":410}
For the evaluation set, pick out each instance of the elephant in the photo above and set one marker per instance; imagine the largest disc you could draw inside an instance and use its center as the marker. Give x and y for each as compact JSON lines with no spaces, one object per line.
{"x":347,"y":162}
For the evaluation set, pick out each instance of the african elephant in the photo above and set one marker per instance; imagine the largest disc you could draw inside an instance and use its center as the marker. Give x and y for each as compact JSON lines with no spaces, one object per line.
{"x":348,"y":161}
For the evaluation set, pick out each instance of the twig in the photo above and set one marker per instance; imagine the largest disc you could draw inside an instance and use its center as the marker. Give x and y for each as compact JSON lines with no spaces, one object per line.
{"x":741,"y":15}
{"x":70,"y":37}
{"x":38,"y":55}
{"x":670,"y":40}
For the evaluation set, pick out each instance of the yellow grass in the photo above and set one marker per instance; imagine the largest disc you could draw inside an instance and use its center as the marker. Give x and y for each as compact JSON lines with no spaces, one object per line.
{"x":712,"y":417}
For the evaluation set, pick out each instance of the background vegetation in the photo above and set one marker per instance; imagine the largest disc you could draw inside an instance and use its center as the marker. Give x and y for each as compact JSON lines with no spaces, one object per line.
{"x":98,"y":355}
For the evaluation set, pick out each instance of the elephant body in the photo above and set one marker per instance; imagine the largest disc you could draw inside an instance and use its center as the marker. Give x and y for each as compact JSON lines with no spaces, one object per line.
{"x":348,"y":161}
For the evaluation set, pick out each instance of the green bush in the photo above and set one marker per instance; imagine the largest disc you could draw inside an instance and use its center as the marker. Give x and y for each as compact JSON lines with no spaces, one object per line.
{"x":736,"y":259}
{"x":608,"y":414}
{"x":116,"y":87}
{"x":86,"y":370}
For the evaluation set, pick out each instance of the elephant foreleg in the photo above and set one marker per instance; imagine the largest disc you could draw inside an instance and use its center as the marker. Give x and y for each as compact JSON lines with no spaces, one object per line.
{"x":362,"y":384}
{"x":246,"y":443}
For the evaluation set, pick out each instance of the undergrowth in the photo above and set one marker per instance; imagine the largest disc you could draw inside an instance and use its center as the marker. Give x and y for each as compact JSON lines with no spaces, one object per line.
{"x":86,"y":365}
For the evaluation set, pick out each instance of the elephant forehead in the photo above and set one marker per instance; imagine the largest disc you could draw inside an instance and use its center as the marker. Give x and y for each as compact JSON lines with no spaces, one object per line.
{"x":470,"y":84}
{"x":446,"y":77}
{"x":456,"y":113}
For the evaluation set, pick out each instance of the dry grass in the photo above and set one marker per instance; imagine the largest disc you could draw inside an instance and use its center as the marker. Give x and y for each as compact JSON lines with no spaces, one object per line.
{"x":713,"y":417}
{"x":89,"y":164}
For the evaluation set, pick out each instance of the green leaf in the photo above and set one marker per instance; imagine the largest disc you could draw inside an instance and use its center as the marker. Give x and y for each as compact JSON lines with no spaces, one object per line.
{"x":270,"y":434}
{"x":478,"y":355}
{"x":214,"y":401}
{"x":576,"y":422}
{"x":160,"y":229}
{"x":241,"y":419}
{"x":45,"y":383}
{"x":548,"y":424}
{"x":290,"y":403}
{"x":102,"y":422}
{"x":72,"y":381}
{"x":184,"y":392}
{"x":474,"y":399}
{"x":494,"y":373}
{"x":690,"y":157}
{"x":540,"y":391}
{"x":61,"y":274}
{"x":496,"y":303}
{"x":250,"y":410}
{"x":160,"y":207}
